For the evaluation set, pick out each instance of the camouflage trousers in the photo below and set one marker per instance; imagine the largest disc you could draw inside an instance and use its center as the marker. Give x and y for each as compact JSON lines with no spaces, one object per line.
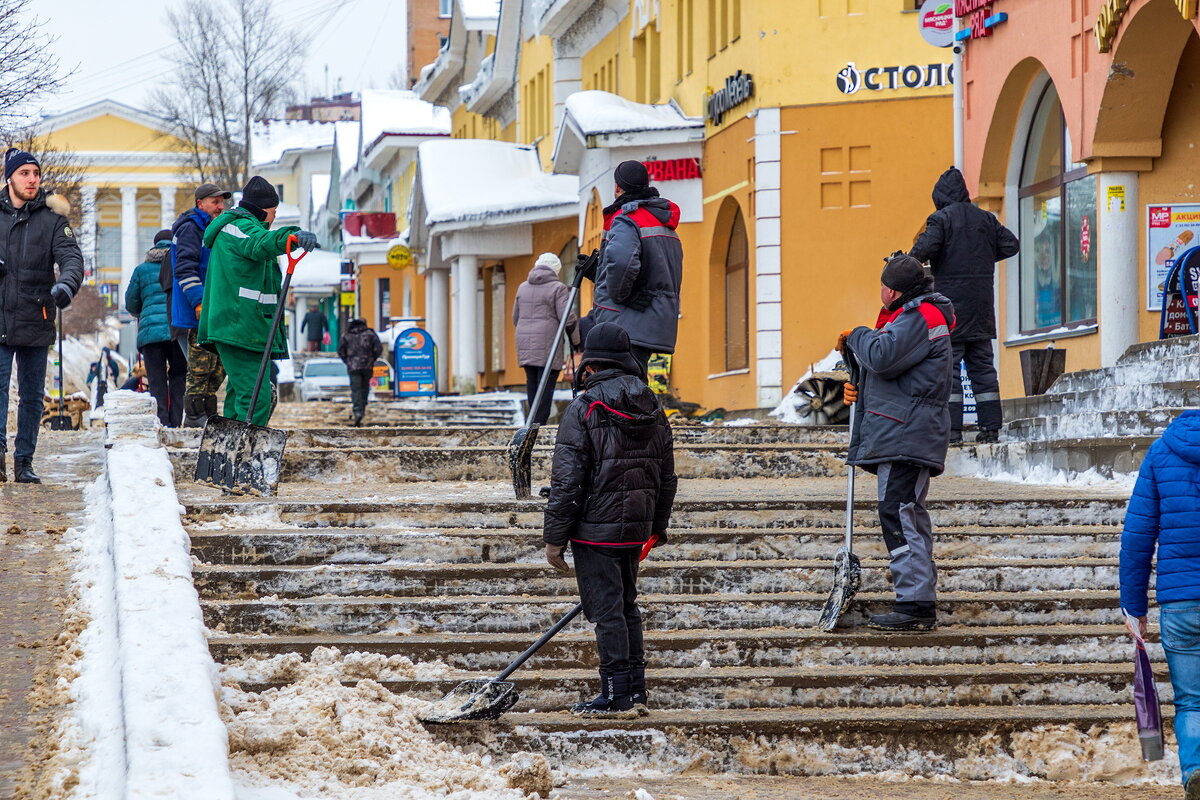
{"x":205,"y":374}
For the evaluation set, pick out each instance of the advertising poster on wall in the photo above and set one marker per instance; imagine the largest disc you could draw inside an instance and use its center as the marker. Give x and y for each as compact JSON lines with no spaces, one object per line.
{"x":1170,"y":231}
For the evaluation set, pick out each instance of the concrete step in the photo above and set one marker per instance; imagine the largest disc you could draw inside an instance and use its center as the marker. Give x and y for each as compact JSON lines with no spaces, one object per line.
{"x":1154,"y":350}
{"x":697,"y":578}
{"x":1106,"y":456}
{"x":1092,"y":424}
{"x":794,"y":687}
{"x":998,"y":510}
{"x":467,"y":614}
{"x":1168,"y":394}
{"x":472,"y":546}
{"x":1062,"y":643}
{"x":1170,"y":365}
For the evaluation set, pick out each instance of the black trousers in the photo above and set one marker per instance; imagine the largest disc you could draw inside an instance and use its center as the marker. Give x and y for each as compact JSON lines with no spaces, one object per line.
{"x":166,"y":374}
{"x":533,"y":375}
{"x":607,"y":579}
{"x":981,"y":369}
{"x":360,"y":389}
{"x":642,"y":356}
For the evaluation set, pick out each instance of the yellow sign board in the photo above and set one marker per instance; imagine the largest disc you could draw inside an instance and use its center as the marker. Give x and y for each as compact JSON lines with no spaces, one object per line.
{"x":399,"y":256}
{"x":1116,"y":193}
{"x":347,"y":298}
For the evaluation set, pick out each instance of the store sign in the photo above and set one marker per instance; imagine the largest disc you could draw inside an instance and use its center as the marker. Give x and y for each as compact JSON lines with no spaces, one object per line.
{"x":1187,"y":8}
{"x":1170,"y":231}
{"x":935,"y":21}
{"x":1108,"y":23}
{"x":399,"y":256}
{"x":1085,"y":240}
{"x":348,"y":284}
{"x":982,"y":18}
{"x":673,"y":169}
{"x":738,"y":89}
{"x":877,"y":79}
{"x":415,"y":357}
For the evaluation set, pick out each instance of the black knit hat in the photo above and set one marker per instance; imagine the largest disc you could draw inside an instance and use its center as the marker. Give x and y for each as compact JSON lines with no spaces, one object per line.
{"x":14,"y":159}
{"x":903,"y":272}
{"x":631,"y":176}
{"x":607,"y":346}
{"x":163,"y":236}
{"x":259,"y":193}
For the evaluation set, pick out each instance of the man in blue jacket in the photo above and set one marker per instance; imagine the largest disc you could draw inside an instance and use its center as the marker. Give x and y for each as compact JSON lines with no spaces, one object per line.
{"x":1164,"y":515}
{"x":902,"y":428}
{"x":189,"y":267}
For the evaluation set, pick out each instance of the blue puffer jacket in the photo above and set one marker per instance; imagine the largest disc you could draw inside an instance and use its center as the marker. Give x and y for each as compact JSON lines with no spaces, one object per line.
{"x":147,"y":301}
{"x":189,"y":265}
{"x":1165,"y":512}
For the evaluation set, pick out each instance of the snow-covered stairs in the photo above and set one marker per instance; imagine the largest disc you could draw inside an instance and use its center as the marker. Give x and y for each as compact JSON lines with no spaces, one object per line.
{"x":741,"y":682}
{"x":498,"y":408}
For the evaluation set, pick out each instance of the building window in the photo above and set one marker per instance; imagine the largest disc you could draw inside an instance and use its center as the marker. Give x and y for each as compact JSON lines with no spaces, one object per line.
{"x":737,"y":296}
{"x":383,"y":291}
{"x":1058,"y":266}
{"x":279,"y":191}
{"x":445,"y":8}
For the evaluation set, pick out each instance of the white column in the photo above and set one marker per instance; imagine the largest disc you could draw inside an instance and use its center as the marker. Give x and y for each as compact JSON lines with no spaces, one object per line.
{"x":437,"y":320}
{"x":568,"y":79}
{"x":466,"y":323}
{"x":768,"y":259}
{"x":129,"y":237}
{"x":87,"y":235}
{"x":1117,"y":262}
{"x":167,"y":196}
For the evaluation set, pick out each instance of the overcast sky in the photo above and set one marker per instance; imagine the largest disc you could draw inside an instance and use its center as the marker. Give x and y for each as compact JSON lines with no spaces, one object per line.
{"x":120,"y":46}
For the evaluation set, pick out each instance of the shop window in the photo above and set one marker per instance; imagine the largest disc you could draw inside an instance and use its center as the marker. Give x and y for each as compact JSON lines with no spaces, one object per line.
{"x":1057,"y":226}
{"x":383,"y":293}
{"x":737,"y":296}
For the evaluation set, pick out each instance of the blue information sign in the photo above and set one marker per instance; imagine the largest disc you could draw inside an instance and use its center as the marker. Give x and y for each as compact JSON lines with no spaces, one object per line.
{"x":415,"y":357}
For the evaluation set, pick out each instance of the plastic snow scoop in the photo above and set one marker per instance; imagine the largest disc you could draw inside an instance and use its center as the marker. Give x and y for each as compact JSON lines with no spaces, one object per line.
{"x":520,"y":450}
{"x":847,"y":572}
{"x":238,"y":456}
{"x":481,"y":698}
{"x":61,"y":421}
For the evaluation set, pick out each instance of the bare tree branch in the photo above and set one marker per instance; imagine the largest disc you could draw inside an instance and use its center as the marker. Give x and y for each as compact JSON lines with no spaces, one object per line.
{"x":28,"y":71}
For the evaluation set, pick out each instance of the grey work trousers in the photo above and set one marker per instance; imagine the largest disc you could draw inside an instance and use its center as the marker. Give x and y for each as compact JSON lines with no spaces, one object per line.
{"x":908,"y":535}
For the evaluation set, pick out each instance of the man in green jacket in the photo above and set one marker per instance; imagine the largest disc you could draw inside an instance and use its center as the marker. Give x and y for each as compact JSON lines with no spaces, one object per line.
{"x":241,"y":292}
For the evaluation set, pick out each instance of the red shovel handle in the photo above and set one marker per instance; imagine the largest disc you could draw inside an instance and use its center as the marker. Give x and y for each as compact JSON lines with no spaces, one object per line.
{"x":292,"y":241}
{"x":647,"y":547}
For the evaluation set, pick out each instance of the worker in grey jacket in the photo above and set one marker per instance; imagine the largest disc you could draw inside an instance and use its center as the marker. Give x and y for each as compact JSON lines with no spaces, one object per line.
{"x":902,"y":428}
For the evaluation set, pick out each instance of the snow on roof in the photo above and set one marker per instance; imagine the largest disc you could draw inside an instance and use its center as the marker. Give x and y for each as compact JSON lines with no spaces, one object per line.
{"x":271,"y":138}
{"x":474,"y":11}
{"x":400,"y":112}
{"x":503,"y":178}
{"x":599,"y":112}
{"x":318,"y":268}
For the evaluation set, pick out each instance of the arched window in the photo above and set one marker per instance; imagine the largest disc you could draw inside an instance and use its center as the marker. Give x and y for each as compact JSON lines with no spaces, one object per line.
{"x":737,"y":296}
{"x":1057,"y":226}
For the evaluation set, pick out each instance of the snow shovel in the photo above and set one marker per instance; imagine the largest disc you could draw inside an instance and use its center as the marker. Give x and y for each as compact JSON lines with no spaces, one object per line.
{"x":241,"y":457}
{"x":61,"y":421}
{"x":520,"y":450}
{"x":481,"y":698}
{"x":847,"y":572}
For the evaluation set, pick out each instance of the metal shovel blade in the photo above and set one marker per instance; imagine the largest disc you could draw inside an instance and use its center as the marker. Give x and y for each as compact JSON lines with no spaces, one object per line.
{"x":60,"y":422}
{"x":847,"y":574}
{"x":520,"y":460}
{"x":479,"y":698}
{"x":239,"y":457}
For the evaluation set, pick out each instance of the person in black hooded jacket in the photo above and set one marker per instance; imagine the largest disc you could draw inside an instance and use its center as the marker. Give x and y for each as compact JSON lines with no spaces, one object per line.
{"x":962,"y":243}
{"x":34,"y":236}
{"x":612,"y":485}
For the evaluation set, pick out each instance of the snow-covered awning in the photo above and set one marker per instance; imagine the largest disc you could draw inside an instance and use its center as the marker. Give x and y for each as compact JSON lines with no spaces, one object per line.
{"x":601,"y":119}
{"x":319,"y":271}
{"x":469,"y":17}
{"x":271,"y":139}
{"x":399,"y":113}
{"x":497,"y":73}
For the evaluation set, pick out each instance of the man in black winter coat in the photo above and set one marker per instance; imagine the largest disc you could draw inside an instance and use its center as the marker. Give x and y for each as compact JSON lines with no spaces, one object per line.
{"x":33,"y":238}
{"x":962,"y":244}
{"x":314,"y":323}
{"x":358,"y":349}
{"x":612,"y":485}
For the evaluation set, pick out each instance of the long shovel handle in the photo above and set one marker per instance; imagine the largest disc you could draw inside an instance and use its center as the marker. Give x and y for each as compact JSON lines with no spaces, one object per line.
{"x":279,"y":303}
{"x":852,"y":368}
{"x":62,"y":386}
{"x":555,"y":343}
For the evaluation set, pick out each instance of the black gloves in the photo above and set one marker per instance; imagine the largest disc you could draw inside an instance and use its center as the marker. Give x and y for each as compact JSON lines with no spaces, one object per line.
{"x":307,"y":240}
{"x":62,"y":294}
{"x":586,"y":265}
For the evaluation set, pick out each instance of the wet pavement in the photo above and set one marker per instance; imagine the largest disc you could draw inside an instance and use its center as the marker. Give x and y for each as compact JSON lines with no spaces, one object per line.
{"x":34,"y":587}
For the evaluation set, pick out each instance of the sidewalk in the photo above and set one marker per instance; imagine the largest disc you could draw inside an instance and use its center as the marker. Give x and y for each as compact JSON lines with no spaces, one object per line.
{"x":33,"y":590}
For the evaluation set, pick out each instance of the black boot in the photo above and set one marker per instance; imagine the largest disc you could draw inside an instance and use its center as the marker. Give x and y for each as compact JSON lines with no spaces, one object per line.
{"x":987,"y":436}
{"x":194,"y":415}
{"x":23,"y":470}
{"x":637,"y":690}
{"x":3,"y":471}
{"x":614,"y":700}
{"x":1191,"y":789}
{"x":956,"y":437}
{"x":903,"y":621}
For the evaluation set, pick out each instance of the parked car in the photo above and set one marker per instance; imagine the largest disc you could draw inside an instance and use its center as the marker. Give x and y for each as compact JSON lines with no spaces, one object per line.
{"x":324,"y":379}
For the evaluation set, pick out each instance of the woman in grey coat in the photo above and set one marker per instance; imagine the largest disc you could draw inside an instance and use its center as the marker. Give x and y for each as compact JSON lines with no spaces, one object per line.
{"x":541,"y":302}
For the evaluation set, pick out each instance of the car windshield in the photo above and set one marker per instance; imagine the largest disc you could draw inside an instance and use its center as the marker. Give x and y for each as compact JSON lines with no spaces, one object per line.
{"x":334,"y":369}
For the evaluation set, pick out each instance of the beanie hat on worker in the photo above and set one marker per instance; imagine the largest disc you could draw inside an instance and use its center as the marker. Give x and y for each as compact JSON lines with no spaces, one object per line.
{"x":15,"y":158}
{"x":631,"y":176}
{"x":549,"y":260}
{"x":164,"y":235}
{"x":902,"y":273}
{"x":259,"y":194}
{"x":607,"y":345}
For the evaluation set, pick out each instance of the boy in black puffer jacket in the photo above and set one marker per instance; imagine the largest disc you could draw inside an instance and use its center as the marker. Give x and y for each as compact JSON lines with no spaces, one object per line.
{"x":611,"y":489}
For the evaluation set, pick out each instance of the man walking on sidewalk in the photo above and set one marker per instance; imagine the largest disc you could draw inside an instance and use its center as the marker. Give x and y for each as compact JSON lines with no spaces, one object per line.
{"x":962,"y":244}
{"x":358,"y":349}
{"x":314,"y":323}
{"x":165,"y":362}
{"x":34,"y":236}
{"x":902,"y":428}
{"x":190,"y":267}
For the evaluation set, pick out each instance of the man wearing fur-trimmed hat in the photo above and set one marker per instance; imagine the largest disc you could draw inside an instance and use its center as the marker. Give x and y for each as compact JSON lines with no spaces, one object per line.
{"x":34,"y":236}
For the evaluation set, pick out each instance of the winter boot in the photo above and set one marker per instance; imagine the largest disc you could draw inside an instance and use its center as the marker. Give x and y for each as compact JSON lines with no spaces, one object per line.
{"x":1191,"y":789}
{"x":358,"y":420}
{"x":637,"y":690}
{"x":193,"y":411}
{"x":614,"y":700}
{"x":3,"y":471}
{"x":955,"y":437}
{"x":901,"y":621}
{"x":23,"y":470}
{"x":987,"y":436}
